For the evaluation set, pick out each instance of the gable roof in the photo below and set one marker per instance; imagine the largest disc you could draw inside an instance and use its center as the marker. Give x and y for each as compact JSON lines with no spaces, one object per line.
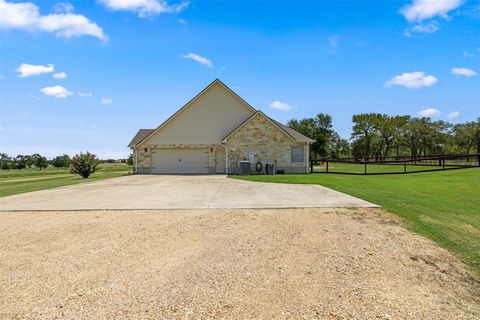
{"x":294,"y":135}
{"x":216,"y":81}
{"x":141,"y":134}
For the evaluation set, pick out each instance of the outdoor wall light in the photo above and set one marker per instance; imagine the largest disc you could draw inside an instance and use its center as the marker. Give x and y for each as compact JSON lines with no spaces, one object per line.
{"x":146,"y":149}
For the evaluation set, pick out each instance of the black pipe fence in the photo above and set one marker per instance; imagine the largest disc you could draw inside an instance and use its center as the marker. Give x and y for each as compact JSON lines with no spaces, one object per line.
{"x":395,"y":165}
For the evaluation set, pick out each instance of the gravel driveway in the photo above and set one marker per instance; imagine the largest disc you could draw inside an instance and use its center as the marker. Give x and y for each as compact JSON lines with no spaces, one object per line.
{"x":231,"y":264}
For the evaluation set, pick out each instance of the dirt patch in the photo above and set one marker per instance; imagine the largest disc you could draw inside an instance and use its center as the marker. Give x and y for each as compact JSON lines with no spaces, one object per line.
{"x":170,"y":264}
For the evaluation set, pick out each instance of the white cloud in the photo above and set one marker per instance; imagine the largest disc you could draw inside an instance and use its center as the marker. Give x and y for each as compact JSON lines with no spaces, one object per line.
{"x":106,"y":101}
{"x":64,"y":7}
{"x":26,"y":16}
{"x":412,"y":80}
{"x":28,"y":70}
{"x":279,"y":105}
{"x":84,"y":94}
{"x":145,"y":8}
{"x":430,"y":27}
{"x":198,"y":58}
{"x":56,"y":91}
{"x":454,"y":115}
{"x":430,"y":112}
{"x":59,"y":75}
{"x":464,"y":72}
{"x":420,"y":10}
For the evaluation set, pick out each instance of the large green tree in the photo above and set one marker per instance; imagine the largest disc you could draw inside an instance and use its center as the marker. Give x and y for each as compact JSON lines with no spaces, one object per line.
{"x":320,"y":129}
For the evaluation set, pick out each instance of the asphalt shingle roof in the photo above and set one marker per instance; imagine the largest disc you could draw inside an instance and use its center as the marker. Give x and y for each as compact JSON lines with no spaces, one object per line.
{"x":141,"y":134}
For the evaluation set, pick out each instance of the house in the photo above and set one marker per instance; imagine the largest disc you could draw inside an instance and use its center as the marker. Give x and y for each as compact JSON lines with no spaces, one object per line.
{"x":212,"y":133}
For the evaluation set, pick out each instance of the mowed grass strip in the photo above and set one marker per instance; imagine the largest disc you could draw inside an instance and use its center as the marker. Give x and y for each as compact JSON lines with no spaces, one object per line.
{"x":443,"y":205}
{"x":20,"y":181}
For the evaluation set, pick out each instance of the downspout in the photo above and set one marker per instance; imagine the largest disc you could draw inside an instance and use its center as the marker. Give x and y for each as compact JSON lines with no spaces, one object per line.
{"x":136,"y":160}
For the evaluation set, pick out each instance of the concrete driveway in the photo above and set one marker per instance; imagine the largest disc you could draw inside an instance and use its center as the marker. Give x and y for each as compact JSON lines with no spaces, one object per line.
{"x":179,"y":192}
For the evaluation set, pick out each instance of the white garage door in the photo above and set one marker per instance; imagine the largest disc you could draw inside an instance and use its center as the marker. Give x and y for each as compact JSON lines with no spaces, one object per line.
{"x":180,"y":161}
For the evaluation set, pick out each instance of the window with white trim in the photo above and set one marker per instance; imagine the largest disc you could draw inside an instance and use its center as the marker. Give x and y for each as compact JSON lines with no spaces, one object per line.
{"x":297,"y":154}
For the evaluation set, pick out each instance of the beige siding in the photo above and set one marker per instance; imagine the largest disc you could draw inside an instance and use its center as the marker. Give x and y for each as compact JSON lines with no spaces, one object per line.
{"x":269,"y":144}
{"x":211,"y":117}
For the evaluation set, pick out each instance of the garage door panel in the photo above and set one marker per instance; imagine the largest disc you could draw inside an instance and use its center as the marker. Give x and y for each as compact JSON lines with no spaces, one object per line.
{"x":180,"y":161}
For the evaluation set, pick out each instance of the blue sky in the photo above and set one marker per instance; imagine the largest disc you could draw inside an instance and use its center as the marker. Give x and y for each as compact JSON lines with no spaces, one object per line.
{"x":130,"y":64}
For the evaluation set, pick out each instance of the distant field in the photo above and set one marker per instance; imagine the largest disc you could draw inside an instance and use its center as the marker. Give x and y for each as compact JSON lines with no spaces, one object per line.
{"x":443,"y":205}
{"x":20,"y":181}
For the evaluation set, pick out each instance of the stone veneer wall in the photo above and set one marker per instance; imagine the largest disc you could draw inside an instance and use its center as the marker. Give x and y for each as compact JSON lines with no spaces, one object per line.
{"x":268,"y":142}
{"x":144,"y":157}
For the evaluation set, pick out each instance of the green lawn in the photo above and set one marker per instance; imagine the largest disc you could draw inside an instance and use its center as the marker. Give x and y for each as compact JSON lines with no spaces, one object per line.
{"x":443,"y":205}
{"x":359,"y":168}
{"x":20,"y":181}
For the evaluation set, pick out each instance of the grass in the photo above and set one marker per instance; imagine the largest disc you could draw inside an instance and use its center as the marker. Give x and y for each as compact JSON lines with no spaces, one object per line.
{"x":443,"y":206}
{"x":20,"y":181}
{"x":343,"y":167}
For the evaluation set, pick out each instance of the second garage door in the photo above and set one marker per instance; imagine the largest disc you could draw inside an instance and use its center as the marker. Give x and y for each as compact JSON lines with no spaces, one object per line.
{"x":180,"y":161}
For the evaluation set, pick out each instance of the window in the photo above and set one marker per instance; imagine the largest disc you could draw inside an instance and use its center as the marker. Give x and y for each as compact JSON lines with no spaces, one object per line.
{"x":297,"y":154}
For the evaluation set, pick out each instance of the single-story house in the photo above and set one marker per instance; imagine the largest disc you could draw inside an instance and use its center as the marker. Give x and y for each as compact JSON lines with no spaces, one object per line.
{"x":212,"y":133}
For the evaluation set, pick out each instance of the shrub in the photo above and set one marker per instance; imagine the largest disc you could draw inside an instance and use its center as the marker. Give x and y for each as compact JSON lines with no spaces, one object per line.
{"x":84,"y":164}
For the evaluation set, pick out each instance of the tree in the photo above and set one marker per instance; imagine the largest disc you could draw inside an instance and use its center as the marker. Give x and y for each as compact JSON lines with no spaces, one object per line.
{"x":364,"y":130}
{"x":62,"y":161}
{"x":20,"y":162}
{"x":40,"y":162}
{"x":84,"y":164}
{"x":5,"y":161}
{"x":338,"y":147}
{"x":28,"y":160}
{"x":130,"y":159}
{"x":319,"y":129}
{"x":390,"y":129}
{"x":465,"y":135}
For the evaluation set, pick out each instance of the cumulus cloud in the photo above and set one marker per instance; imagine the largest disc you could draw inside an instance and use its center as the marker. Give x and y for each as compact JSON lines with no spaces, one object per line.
{"x":420,"y":10}
{"x":26,"y":16}
{"x":84,"y":94}
{"x":430,"y":112}
{"x":106,"y":101}
{"x":454,"y":115}
{"x":28,"y":70}
{"x":145,"y":8}
{"x":464,"y":72}
{"x":280,"y":105}
{"x":198,"y":58}
{"x":56,"y":91}
{"x":59,"y":75}
{"x":412,"y":80}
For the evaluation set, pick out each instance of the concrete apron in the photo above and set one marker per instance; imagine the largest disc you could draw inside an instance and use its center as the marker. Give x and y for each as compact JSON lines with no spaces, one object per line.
{"x":179,"y":192}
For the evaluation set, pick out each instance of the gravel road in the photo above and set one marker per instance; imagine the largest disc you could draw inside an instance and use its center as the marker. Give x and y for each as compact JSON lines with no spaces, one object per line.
{"x":229,"y":264}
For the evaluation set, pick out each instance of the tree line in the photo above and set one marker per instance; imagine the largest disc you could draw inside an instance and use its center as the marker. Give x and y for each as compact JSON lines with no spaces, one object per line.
{"x":378,"y":136}
{"x":40,"y":162}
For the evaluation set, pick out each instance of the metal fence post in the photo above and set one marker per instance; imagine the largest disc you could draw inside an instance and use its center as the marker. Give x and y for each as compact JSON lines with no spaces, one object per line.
{"x":327,"y":166}
{"x":365,"y":168}
{"x":405,"y":167}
